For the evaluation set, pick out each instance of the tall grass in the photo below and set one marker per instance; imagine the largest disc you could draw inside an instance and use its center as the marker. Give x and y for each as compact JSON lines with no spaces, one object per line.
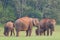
{"x":55,"y":36}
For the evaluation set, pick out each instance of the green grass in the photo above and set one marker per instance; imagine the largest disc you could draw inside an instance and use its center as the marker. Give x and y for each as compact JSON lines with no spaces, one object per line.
{"x":55,"y":36}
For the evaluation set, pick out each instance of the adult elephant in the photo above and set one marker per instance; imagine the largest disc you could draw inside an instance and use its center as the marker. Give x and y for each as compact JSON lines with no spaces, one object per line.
{"x":25,"y":24}
{"x":50,"y":24}
{"x":46,"y":25}
{"x":9,"y":27}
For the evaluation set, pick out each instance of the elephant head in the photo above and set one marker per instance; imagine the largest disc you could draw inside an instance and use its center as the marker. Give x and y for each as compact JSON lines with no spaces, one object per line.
{"x":35,"y":22}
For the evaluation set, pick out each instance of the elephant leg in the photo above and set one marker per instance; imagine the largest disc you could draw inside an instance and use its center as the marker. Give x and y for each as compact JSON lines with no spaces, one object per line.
{"x":47,"y":31}
{"x":30,"y":32}
{"x":17,"y":33}
{"x":11,"y":33}
{"x":37,"y":32}
{"x":26,"y":32}
{"x":7,"y":32}
{"x":40,"y":32}
{"x":44,"y":32}
{"x":50,"y":32}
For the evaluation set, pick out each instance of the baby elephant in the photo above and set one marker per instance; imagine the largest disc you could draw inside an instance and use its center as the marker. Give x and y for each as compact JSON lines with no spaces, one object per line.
{"x":38,"y":32}
{"x":9,"y":27}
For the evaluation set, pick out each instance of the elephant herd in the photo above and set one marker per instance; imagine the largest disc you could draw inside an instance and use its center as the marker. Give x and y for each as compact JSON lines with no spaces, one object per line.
{"x":44,"y":26}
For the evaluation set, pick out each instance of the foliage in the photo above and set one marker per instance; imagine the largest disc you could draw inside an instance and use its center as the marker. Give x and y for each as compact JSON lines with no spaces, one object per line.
{"x":13,"y":9}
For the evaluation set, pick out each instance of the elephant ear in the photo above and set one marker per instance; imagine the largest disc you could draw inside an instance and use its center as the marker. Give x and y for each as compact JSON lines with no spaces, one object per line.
{"x":53,"y":21}
{"x":35,"y":21}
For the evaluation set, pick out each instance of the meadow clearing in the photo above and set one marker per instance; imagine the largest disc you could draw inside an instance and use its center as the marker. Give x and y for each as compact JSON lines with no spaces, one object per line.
{"x":55,"y":36}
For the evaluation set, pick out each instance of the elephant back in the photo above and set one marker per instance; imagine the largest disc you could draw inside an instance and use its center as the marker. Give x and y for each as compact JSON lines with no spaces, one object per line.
{"x":9,"y":24}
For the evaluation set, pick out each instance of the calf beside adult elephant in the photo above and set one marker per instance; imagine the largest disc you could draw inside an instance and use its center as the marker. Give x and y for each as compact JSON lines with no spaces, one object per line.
{"x":46,"y":25}
{"x":25,"y":24}
{"x":9,"y":27}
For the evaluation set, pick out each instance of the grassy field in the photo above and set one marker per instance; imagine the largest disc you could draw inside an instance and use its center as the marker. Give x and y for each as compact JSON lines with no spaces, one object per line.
{"x":55,"y":36}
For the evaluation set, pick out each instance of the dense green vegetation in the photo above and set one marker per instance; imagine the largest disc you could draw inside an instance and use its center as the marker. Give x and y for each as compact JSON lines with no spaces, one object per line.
{"x":55,"y":36}
{"x":13,"y":9}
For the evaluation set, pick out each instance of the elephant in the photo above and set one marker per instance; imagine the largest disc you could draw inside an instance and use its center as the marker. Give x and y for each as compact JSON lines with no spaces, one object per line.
{"x":46,"y":25}
{"x":25,"y":24}
{"x":9,"y":27}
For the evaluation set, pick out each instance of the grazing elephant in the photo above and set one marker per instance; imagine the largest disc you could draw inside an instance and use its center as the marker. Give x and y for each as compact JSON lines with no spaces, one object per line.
{"x":25,"y":24}
{"x":9,"y":26}
{"x":46,"y":25}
